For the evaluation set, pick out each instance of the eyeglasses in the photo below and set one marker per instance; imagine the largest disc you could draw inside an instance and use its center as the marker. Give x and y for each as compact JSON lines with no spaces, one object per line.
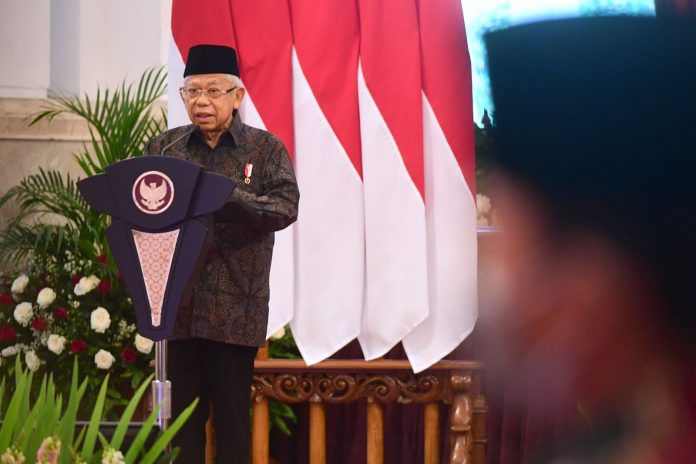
{"x":192,"y":93}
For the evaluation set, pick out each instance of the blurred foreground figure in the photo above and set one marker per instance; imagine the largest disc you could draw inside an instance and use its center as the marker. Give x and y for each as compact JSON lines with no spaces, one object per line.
{"x":590,"y":294}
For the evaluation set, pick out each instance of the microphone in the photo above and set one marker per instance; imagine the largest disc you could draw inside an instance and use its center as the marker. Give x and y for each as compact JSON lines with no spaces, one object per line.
{"x":176,"y":140}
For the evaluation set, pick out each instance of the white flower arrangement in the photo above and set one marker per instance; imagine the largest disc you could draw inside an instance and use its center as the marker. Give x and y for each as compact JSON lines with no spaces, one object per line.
{"x":125,"y":330}
{"x":45,"y":297}
{"x":100,"y":320}
{"x":10,"y":351}
{"x":56,"y":343}
{"x":103,"y":359}
{"x":33,"y":361}
{"x":19,"y":284}
{"x":86,"y":285}
{"x":23,"y":313}
{"x":143,"y":344}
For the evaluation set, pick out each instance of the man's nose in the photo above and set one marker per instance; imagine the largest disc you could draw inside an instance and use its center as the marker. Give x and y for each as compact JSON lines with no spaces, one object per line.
{"x":203,"y":100}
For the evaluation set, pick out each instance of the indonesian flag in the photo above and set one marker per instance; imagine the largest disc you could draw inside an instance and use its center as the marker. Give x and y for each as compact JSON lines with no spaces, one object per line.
{"x":450,"y":182}
{"x":329,"y":244}
{"x":373,"y":100}
{"x":391,"y":125}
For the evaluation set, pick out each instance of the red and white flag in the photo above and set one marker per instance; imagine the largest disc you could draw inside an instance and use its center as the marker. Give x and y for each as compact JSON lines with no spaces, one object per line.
{"x":373,"y":99}
{"x":450,"y":184}
{"x":329,"y":252}
{"x":264,"y":41}
{"x":391,"y":124}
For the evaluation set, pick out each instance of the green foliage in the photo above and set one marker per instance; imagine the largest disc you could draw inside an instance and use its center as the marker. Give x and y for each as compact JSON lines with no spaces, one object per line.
{"x":281,"y":415}
{"x":282,"y":345}
{"x":31,"y":428}
{"x":120,"y":124}
{"x":41,"y":195}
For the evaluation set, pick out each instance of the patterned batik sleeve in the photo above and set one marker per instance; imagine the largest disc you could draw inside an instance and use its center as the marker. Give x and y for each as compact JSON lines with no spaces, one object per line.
{"x":153,"y":146}
{"x":276,"y":207}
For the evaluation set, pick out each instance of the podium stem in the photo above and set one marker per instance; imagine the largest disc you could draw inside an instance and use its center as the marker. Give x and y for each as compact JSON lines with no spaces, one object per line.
{"x":161,"y":387}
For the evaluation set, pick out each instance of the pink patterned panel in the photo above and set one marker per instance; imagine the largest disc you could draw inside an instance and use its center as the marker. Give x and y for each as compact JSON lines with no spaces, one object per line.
{"x":155,"y":252}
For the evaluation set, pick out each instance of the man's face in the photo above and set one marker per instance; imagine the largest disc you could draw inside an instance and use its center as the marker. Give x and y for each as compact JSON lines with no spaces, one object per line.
{"x":212,"y":114}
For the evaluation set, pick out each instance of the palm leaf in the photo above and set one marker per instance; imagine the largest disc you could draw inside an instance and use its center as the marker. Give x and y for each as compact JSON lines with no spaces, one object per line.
{"x":2,"y":395}
{"x":93,"y":427}
{"x":120,"y":124}
{"x":122,"y":427}
{"x":10,"y":419}
{"x":139,"y":440}
{"x":33,"y":423}
{"x":166,"y":437}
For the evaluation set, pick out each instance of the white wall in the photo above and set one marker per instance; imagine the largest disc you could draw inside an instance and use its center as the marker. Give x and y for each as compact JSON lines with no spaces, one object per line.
{"x":118,"y":39}
{"x":25,"y":48}
{"x":72,"y":46}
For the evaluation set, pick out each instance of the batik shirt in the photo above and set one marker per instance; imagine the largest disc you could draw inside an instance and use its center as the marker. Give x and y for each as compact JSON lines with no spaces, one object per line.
{"x":229,"y":302}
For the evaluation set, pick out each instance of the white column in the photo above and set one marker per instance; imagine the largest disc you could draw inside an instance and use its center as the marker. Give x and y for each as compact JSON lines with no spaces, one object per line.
{"x":25,"y":50}
{"x":101,"y":42}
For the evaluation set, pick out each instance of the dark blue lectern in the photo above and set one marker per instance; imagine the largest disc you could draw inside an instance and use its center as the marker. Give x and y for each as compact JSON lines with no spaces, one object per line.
{"x":158,"y":237}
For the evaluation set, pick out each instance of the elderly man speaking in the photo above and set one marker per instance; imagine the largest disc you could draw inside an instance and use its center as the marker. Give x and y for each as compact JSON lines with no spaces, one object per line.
{"x":217,"y":333}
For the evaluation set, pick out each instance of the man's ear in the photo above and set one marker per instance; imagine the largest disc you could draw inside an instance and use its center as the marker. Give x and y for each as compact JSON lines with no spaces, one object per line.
{"x":239,"y":96}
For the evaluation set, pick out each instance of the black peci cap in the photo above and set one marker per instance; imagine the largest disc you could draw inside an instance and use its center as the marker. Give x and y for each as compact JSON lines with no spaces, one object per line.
{"x":211,"y":59}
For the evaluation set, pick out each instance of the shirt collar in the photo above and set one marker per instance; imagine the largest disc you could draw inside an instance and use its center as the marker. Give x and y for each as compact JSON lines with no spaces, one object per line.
{"x":235,"y":131}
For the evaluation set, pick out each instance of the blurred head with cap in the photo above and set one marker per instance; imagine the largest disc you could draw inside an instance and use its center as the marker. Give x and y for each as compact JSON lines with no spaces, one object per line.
{"x":594,"y":272}
{"x":212,"y":90}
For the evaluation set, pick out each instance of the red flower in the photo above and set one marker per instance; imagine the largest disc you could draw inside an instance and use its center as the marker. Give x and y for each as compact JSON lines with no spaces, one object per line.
{"x":6,"y":299}
{"x":75,"y":279}
{"x":102,"y":259}
{"x":8,"y":333}
{"x":39,"y":324}
{"x":129,"y":355}
{"x":78,"y":346}
{"x":60,"y":313}
{"x":104,"y":286}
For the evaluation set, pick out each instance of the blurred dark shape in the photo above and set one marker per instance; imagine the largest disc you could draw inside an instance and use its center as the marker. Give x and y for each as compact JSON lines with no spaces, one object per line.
{"x":676,"y":8}
{"x":486,"y":121}
{"x":600,"y":116}
{"x":592,"y":293}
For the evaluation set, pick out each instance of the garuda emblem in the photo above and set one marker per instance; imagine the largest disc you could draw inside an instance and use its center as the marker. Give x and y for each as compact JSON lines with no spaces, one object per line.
{"x":153,"y":192}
